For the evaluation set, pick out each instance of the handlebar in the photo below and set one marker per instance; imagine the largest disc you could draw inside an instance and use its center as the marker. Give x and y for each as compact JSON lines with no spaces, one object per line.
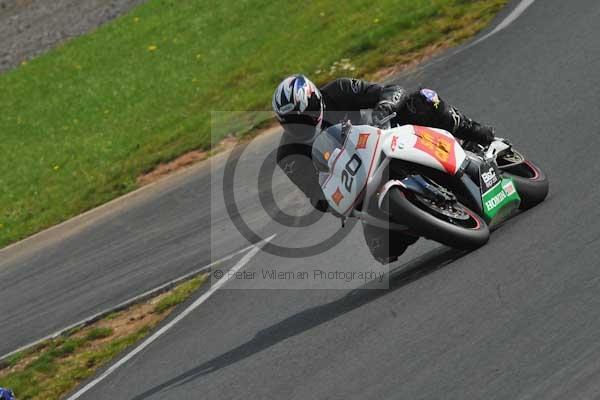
{"x":385,"y":121}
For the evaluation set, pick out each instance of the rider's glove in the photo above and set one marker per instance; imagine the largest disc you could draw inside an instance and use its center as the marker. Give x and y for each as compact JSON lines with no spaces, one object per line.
{"x":381,"y":111}
{"x":392,"y":99}
{"x":482,"y":134}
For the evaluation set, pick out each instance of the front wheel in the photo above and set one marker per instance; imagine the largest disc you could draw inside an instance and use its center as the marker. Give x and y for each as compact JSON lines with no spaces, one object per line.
{"x":530,"y":181}
{"x":453,"y":224}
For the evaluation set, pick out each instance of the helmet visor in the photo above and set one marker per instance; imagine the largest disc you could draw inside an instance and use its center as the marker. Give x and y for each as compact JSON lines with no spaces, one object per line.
{"x":302,"y":126}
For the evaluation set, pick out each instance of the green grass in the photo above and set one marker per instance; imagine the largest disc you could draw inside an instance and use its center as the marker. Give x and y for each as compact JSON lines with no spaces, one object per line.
{"x":79,"y":124}
{"x":99,"y":333}
{"x":54,"y":373}
{"x":180,"y":294}
{"x":56,"y":366}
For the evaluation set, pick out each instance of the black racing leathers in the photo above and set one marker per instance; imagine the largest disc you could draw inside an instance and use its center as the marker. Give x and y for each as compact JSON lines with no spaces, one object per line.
{"x":343,"y":99}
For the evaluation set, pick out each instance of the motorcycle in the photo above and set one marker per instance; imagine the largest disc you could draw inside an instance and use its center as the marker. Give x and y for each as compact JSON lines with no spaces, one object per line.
{"x":423,"y":181}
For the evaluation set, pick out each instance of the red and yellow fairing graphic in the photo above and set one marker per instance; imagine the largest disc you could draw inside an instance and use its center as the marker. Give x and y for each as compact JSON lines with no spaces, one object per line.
{"x":437,"y":145}
{"x":363,"y":138}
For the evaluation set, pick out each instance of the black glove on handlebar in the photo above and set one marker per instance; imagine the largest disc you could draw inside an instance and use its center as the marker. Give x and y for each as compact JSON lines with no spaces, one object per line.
{"x":382,"y":110}
{"x":392,"y":99}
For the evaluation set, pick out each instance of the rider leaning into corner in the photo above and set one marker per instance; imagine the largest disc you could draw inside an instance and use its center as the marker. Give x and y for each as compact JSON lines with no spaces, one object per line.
{"x":305,"y":110}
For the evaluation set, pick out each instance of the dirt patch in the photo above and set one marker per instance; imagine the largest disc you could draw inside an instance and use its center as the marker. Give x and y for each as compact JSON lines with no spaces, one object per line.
{"x":127,"y":323}
{"x":165,"y":169}
{"x":122,"y":324}
{"x":57,"y":366}
{"x":133,"y":322}
{"x":412,"y":60}
{"x":183,"y":161}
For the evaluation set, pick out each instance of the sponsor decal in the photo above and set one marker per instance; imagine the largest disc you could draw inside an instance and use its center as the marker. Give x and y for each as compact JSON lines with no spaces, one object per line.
{"x":337,"y":196}
{"x":431,"y":96}
{"x":355,"y":85}
{"x":437,"y":145}
{"x":501,"y":198}
{"x":495,"y":201}
{"x":363,"y":138}
{"x":509,"y":188}
{"x":394,"y":142}
{"x":489,"y":176}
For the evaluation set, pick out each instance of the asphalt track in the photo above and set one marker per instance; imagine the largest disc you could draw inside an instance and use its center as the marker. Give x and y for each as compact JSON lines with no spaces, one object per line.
{"x":518,"y":318}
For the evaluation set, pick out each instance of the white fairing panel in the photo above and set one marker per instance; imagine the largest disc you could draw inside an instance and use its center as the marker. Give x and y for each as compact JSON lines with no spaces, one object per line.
{"x":435,"y":148}
{"x":350,"y":168}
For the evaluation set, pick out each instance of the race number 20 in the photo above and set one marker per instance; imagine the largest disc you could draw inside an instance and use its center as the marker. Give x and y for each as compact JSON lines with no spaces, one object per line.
{"x":350,"y":170}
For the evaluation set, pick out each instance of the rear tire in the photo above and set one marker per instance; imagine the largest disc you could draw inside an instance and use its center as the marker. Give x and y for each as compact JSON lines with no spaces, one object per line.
{"x":530,"y":181}
{"x":473,"y":234}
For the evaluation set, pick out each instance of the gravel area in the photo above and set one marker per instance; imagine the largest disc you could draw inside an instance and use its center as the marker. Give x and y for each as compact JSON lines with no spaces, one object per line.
{"x":31,"y":27}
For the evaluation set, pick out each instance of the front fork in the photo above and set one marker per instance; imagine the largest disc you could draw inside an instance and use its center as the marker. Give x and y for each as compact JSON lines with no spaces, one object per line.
{"x":462,"y":188}
{"x":375,"y":210}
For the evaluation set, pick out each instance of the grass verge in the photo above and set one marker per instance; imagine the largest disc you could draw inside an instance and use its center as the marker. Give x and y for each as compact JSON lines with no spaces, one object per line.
{"x":81,"y":123}
{"x":55,"y":367}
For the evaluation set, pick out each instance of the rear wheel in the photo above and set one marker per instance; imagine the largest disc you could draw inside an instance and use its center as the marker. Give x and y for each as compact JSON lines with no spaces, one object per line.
{"x":450,"y":223}
{"x":530,"y":181}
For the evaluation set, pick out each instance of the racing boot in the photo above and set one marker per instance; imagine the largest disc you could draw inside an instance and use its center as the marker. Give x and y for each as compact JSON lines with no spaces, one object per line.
{"x":425,"y":107}
{"x":470,"y":130}
{"x":385,"y":245}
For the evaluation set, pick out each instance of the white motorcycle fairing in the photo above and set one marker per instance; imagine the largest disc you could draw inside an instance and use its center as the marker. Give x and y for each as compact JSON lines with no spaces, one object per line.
{"x":352,"y":166}
{"x":431,"y":147}
{"x":419,"y":181}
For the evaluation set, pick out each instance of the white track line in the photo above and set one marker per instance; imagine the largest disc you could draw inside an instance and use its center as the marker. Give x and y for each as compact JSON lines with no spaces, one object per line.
{"x":510,"y":18}
{"x":240,"y":264}
{"x":130,"y":301}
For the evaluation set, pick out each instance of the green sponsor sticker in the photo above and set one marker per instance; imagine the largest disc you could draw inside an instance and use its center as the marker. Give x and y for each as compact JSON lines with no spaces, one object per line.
{"x":499,"y":197}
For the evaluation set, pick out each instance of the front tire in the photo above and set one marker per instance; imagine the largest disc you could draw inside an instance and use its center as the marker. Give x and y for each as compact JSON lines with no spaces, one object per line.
{"x":465,"y":234}
{"x":530,"y":181}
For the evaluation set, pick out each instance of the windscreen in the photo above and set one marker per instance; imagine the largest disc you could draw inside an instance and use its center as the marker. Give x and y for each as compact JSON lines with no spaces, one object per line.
{"x":325,"y":145}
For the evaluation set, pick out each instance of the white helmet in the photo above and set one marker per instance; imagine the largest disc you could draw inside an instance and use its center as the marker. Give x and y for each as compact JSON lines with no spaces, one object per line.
{"x":298,"y":104}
